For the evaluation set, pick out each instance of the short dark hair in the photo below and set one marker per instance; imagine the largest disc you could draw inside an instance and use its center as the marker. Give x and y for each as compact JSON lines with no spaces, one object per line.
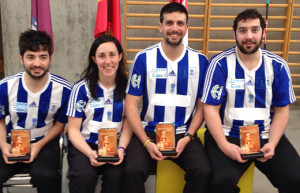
{"x":249,"y":14}
{"x":33,"y":40}
{"x":173,"y":7}
{"x":91,"y":73}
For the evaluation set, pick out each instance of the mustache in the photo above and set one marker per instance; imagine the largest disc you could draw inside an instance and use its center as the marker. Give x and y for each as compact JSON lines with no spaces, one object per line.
{"x":249,"y":41}
{"x":33,"y":68}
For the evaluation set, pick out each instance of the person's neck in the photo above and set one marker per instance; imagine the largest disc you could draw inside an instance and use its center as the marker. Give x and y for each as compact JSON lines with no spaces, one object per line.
{"x":35,"y":85}
{"x":249,"y":60}
{"x":172,"y":52}
{"x":107,"y":82}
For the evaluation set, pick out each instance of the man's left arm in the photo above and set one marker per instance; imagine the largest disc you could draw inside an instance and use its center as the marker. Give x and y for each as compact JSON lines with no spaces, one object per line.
{"x":277,"y":128}
{"x":196,"y":122}
{"x":54,"y":131}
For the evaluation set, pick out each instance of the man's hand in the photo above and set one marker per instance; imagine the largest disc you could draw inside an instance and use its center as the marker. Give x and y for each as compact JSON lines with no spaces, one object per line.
{"x":153,"y":151}
{"x":181,"y":144}
{"x":233,"y":152}
{"x":268,"y":149}
{"x":93,"y":159}
{"x":35,"y":149}
{"x":5,"y":149}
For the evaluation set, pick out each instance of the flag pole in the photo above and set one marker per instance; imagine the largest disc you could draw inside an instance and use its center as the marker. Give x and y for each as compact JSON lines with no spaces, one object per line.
{"x":266,"y":29}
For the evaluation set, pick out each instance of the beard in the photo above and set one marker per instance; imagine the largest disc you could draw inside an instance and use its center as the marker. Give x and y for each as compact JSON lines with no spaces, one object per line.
{"x":169,"y":42}
{"x":36,"y":77}
{"x":240,"y":45}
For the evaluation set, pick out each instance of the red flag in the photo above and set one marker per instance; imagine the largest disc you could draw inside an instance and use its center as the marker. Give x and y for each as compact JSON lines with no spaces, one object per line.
{"x":183,"y":2}
{"x":41,"y":17}
{"x":108,"y":19}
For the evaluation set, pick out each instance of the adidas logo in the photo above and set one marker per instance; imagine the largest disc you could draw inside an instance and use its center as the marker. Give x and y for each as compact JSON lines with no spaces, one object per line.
{"x":250,"y":83}
{"x":172,"y":73}
{"x":32,"y":104}
{"x":108,"y":102}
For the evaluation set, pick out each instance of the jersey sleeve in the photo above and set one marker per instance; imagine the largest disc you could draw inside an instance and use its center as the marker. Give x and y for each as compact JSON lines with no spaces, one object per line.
{"x":77,"y":101}
{"x":61,"y":113}
{"x":137,"y":77}
{"x":214,"y":92}
{"x":203,"y":64}
{"x":3,"y":100}
{"x":283,"y":93}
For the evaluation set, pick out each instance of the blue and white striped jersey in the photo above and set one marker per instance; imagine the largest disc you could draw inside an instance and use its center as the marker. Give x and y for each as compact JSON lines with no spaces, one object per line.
{"x":169,"y":88}
{"x":34,"y":111}
{"x":247,"y":96}
{"x":106,"y":112}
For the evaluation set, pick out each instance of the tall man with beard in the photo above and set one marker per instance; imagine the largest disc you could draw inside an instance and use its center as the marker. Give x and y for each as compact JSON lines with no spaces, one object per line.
{"x":36,"y":100}
{"x":169,"y":76}
{"x":246,"y":85}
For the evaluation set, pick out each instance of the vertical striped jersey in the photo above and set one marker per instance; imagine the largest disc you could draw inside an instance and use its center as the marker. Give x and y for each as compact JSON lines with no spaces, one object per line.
{"x":170,"y":89}
{"x":35,"y":111}
{"x":104,"y":112}
{"x":247,"y":96}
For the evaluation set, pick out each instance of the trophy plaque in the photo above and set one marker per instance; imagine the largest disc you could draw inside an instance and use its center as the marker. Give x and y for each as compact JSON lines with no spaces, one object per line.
{"x":165,"y":139}
{"x":107,"y":145}
{"x":20,"y":145}
{"x":250,"y":142}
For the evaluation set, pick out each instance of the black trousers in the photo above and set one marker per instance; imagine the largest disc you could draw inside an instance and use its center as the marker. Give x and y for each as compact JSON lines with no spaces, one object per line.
{"x":283,"y":170}
{"x":84,"y":177}
{"x":193,"y":160}
{"x":44,"y":170}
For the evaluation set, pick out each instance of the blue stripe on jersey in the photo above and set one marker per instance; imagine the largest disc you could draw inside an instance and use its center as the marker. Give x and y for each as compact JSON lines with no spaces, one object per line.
{"x":160,"y":88}
{"x":235,"y":130}
{"x":93,"y":138}
{"x":22,"y":96}
{"x":261,"y":126}
{"x":159,"y":113}
{"x":260,"y":87}
{"x":98,"y":112}
{"x":182,"y":78}
{"x":117,"y":110}
{"x":182,"y":86}
{"x":61,"y":114}
{"x":143,"y":57}
{"x":44,"y":106}
{"x":161,"y":83}
{"x":180,"y":116}
{"x":239,"y":93}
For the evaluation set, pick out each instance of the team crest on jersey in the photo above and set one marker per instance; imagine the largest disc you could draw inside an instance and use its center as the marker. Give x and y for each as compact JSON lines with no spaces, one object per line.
{"x":251,"y":98}
{"x":192,"y":72}
{"x":108,"y":115}
{"x":173,"y":87}
{"x":33,"y":104}
{"x":108,"y":102}
{"x":136,"y":80}
{"x":80,"y":105}
{"x":216,"y":92}
{"x":53,"y":107}
{"x":97,"y":103}
{"x":2,"y":109}
{"x":34,"y":122}
{"x":20,"y":107}
{"x":268,"y":82}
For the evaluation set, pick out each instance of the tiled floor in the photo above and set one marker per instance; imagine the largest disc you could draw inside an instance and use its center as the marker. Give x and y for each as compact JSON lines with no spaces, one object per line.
{"x":261,"y":184}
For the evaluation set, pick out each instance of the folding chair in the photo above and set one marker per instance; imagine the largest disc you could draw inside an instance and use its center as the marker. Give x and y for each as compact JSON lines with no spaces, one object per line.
{"x":23,"y":179}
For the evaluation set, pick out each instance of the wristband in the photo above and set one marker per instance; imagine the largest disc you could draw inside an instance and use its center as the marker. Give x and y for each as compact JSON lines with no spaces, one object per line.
{"x":147,"y":142}
{"x":120,"y":147}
